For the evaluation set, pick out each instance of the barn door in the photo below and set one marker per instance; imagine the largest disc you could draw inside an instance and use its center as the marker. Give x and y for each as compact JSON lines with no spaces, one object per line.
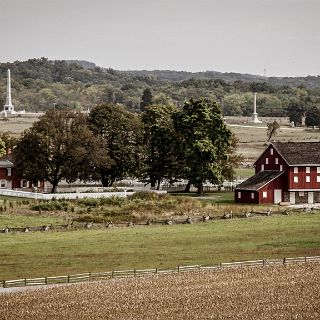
{"x":292,"y":197}
{"x":277,"y":196}
{"x":310,"y":197}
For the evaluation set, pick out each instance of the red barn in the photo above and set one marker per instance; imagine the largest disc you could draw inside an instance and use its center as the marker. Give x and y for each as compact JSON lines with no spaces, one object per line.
{"x":285,"y":172}
{"x":10,"y":180}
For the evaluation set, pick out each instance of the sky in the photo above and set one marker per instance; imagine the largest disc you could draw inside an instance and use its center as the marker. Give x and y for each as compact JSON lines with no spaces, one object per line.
{"x":278,"y":37}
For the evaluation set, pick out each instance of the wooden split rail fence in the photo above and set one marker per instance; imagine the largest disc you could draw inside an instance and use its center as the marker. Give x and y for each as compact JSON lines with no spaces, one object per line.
{"x":91,"y":225}
{"x":91,"y":276}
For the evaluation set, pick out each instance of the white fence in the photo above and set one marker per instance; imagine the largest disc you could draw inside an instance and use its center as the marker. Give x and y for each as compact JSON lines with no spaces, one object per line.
{"x":76,"y":195}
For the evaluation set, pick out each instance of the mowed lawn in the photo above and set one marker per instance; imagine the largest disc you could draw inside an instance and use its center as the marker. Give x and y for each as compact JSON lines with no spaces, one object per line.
{"x":61,"y":253}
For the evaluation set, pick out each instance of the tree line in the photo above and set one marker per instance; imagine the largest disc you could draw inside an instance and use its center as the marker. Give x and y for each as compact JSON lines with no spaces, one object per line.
{"x":38,"y":84}
{"x":111,"y":143}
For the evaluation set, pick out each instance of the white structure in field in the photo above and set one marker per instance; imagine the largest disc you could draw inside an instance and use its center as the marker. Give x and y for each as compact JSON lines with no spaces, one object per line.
{"x":255,"y":114}
{"x":8,"y":108}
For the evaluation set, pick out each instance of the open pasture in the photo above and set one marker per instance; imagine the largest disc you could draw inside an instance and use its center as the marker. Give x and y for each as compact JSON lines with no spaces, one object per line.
{"x":16,"y":125}
{"x":277,"y":292}
{"x":253,"y":139}
{"x":38,"y":254}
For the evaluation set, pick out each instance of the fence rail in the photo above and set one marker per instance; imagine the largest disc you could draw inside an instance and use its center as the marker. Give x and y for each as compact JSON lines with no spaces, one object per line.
{"x":91,"y":276}
{"x":73,"y":195}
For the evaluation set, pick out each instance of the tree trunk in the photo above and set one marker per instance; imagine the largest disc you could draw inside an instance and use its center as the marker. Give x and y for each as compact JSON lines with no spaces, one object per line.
{"x":105,"y":181}
{"x":200,"y":189}
{"x":188,"y":186}
{"x":158,"y":184}
{"x":54,"y":187}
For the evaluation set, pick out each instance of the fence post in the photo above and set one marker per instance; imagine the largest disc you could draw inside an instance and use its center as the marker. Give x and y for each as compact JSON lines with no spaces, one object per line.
{"x":305,"y":259}
{"x":89,"y":276}
{"x":134,"y":272}
{"x":284,"y":260}
{"x":25,"y":282}
{"x":178,"y":269}
{"x":68,"y":278}
{"x":46,"y":280}
{"x":112,"y":274}
{"x":156,"y":270}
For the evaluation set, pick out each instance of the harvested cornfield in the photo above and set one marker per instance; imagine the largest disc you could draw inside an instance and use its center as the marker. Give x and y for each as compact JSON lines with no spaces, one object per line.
{"x":274,"y":292}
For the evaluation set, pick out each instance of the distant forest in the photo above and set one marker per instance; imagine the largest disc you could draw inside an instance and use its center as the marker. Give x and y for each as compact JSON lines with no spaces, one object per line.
{"x":39,"y":84}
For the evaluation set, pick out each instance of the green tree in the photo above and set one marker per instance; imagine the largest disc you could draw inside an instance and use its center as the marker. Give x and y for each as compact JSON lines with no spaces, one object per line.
{"x":2,"y":148}
{"x":120,"y":131}
{"x":313,"y":117}
{"x":295,"y":111}
{"x":162,"y":145}
{"x":58,"y":146}
{"x":272,"y":129}
{"x":146,"y":99}
{"x":205,"y":139}
{"x":9,"y":141}
{"x":233,"y":159}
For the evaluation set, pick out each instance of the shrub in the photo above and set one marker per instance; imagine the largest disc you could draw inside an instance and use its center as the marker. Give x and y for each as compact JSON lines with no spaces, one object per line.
{"x":144,"y":195}
{"x":51,"y":206}
{"x":90,"y":202}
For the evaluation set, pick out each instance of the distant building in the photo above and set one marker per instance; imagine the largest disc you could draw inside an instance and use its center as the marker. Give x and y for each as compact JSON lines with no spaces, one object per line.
{"x":9,"y":178}
{"x":285,"y":172}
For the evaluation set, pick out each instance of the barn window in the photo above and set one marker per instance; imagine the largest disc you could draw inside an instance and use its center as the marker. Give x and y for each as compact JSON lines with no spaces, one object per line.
{"x":318,"y":178}
{"x":239,"y":194}
{"x":24,"y":183}
{"x":318,"y":169}
{"x":252,"y":195}
{"x":262,"y":167}
{"x":307,"y":169}
{"x":264,"y":194}
{"x":281,"y":167}
{"x":301,"y":193}
{"x":2,"y":183}
{"x":307,"y":178}
{"x":271,"y":151}
{"x":295,"y":179}
{"x":267,"y":160}
{"x":8,"y":172}
{"x":276,"y":160}
{"x":295,"y":170}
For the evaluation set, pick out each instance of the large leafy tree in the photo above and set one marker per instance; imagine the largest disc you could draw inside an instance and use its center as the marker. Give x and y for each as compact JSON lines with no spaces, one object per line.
{"x":205,"y":139}
{"x":162,"y":159}
{"x":120,"y":131}
{"x":59,"y":146}
{"x":232,"y":160}
{"x":146,"y":99}
{"x":295,"y":112}
{"x":313,"y":117}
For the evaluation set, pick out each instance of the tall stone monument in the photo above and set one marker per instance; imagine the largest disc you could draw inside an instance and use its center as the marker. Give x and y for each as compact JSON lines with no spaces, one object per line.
{"x":8,"y":108}
{"x":255,"y":114}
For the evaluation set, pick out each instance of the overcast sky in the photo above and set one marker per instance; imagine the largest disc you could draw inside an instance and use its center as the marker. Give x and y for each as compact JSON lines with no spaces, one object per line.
{"x":247,"y":36}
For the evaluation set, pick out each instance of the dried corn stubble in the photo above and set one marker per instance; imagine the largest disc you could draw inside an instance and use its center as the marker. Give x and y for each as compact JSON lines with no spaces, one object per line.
{"x":277,"y":292}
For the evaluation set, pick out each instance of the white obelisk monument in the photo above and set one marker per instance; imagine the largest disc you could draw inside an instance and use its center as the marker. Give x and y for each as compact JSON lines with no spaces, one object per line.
{"x":255,"y":114}
{"x":8,"y":107}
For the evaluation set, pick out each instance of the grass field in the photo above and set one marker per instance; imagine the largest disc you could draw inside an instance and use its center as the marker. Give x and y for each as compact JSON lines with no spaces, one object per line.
{"x":278,"y":292}
{"x":60,"y":253}
{"x":16,"y":125}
